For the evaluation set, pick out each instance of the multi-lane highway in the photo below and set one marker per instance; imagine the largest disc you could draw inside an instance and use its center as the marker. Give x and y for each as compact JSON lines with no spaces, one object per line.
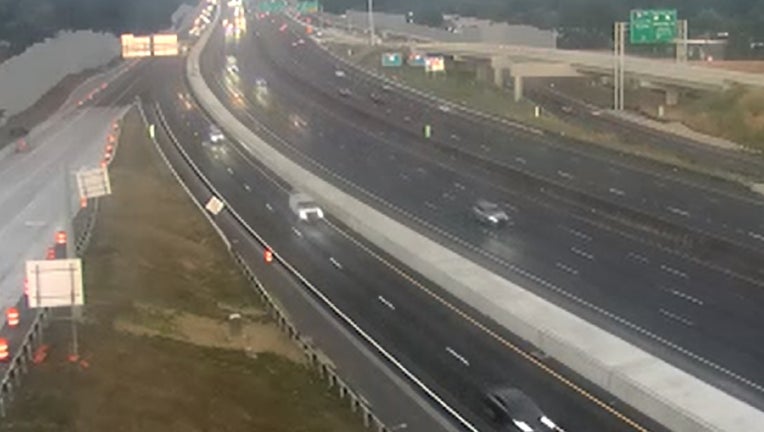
{"x":700,"y":317}
{"x":389,"y":301}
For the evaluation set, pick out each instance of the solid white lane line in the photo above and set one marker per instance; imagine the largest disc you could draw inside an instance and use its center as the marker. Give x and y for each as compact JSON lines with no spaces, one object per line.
{"x":457,"y":356}
{"x":579,"y":252}
{"x":674,"y":271}
{"x":386,"y":302}
{"x":676,"y":317}
{"x":566,"y":268}
{"x":335,"y":263}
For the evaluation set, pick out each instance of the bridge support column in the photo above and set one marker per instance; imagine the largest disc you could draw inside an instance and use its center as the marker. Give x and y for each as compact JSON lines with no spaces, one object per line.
{"x":672,"y":96}
{"x":518,"y":88}
{"x":483,"y":72}
{"x":498,"y":76}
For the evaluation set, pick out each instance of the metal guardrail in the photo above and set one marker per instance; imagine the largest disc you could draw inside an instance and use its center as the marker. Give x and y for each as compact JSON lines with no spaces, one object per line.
{"x":315,"y":357}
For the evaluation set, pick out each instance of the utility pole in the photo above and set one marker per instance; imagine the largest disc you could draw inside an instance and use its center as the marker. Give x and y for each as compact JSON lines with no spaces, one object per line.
{"x":619,"y":62}
{"x":371,"y":22}
{"x":681,"y":43}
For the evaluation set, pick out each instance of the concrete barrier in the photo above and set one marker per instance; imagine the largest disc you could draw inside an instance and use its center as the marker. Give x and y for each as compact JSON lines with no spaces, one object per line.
{"x":669,"y":395}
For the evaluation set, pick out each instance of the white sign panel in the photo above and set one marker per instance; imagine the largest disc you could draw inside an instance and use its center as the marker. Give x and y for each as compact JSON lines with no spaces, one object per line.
{"x":165,"y":44}
{"x":135,"y":46}
{"x":54,"y":283}
{"x":434,"y":64}
{"x":93,"y":183}
{"x":214,"y":205}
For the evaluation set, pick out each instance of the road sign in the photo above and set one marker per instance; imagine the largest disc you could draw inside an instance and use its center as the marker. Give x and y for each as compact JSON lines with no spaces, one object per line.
{"x":214,"y":206}
{"x":271,"y":6}
{"x":54,"y":283}
{"x":434,"y":64}
{"x":93,"y":183}
{"x":135,"y":46}
{"x":416,"y":60}
{"x":652,"y":26}
{"x":164,"y":45}
{"x":392,"y":59}
{"x":306,"y":7}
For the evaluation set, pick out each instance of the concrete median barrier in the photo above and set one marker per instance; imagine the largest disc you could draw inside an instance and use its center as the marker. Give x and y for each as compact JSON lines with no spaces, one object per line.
{"x":669,"y":395}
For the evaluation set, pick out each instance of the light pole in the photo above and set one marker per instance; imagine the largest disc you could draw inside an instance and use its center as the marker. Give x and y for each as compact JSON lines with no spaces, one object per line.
{"x":371,"y":21}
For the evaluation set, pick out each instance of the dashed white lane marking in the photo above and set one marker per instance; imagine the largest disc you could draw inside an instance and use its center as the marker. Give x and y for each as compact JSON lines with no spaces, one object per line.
{"x":676,"y":317}
{"x":521,"y":160}
{"x":581,"y":253}
{"x":297,"y":232}
{"x":638,"y":257}
{"x":386,"y":302}
{"x":757,"y":236}
{"x":430,"y":205}
{"x":566,"y":268}
{"x":230,"y":171}
{"x":678,"y":211}
{"x":404,"y":176}
{"x":246,"y":186}
{"x":686,"y":296}
{"x":565,"y":175}
{"x":459,"y":186}
{"x":579,"y":234}
{"x":269,"y":207}
{"x":674,"y":271}
{"x":618,"y":192}
{"x":335,"y":263}
{"x":457,"y":356}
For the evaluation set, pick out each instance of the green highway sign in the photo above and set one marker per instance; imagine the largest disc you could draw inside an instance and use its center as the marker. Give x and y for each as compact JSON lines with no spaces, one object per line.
{"x":652,"y":26}
{"x":306,"y":7}
{"x":392,"y":60}
{"x":271,"y":6}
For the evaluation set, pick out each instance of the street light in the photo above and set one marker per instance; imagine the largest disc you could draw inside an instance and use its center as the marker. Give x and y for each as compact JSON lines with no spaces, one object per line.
{"x":371,"y":22}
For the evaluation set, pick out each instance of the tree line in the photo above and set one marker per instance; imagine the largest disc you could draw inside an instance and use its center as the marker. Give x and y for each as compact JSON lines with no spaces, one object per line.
{"x":24,"y":22}
{"x":587,"y":23}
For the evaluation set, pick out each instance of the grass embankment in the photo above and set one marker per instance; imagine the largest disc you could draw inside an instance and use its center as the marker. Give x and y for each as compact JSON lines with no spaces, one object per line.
{"x":736,"y":114}
{"x":157,"y":353}
{"x":463,"y":87}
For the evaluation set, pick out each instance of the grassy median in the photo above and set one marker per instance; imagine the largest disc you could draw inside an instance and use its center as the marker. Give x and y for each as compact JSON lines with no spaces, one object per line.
{"x":156,"y":350}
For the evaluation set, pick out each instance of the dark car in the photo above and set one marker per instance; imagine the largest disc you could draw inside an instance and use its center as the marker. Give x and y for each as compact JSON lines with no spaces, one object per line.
{"x":513,"y":409}
{"x":489,"y":213}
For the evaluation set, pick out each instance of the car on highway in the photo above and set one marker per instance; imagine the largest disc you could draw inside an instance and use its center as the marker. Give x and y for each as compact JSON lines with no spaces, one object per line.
{"x":345,"y":92}
{"x":489,"y":213}
{"x":215,"y":147}
{"x":339,"y":73}
{"x":514,"y":410}
{"x":216,"y":135}
{"x":567,"y":109}
{"x":305,"y":207}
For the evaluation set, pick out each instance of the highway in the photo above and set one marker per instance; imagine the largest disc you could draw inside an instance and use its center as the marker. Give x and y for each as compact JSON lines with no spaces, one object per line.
{"x":663,"y":301}
{"x":723,"y":210}
{"x":388,"y":300}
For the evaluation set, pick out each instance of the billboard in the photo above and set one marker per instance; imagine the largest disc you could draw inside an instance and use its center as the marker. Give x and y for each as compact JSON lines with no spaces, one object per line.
{"x":135,"y":46}
{"x":164,"y":45}
{"x":434,"y":64}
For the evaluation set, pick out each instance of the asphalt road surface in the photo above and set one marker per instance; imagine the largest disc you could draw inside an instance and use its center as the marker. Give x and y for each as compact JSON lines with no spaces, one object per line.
{"x":385,"y":298}
{"x":703,"y":318}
